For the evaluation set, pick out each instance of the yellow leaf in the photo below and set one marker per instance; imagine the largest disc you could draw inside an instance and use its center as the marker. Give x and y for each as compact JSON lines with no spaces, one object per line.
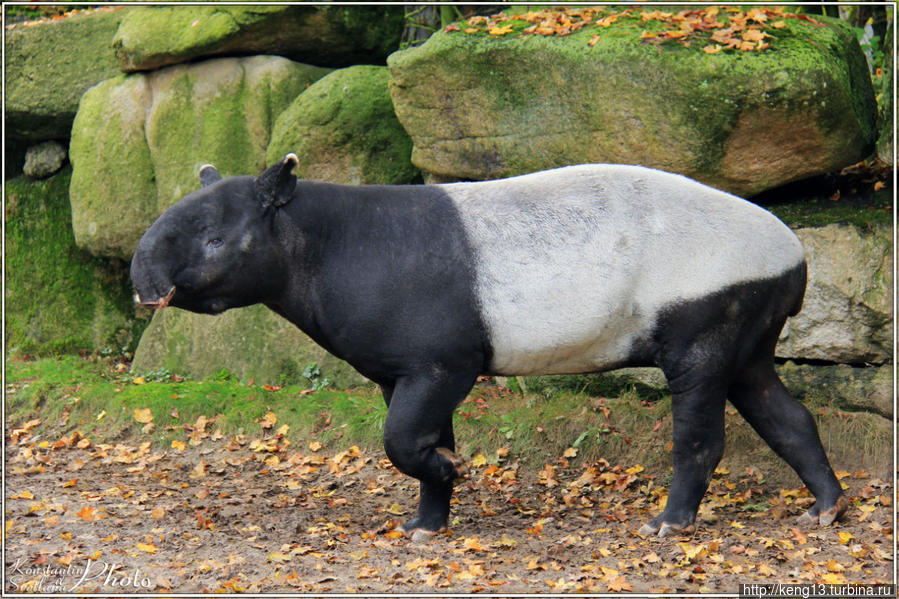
{"x":736,"y":524}
{"x":44,"y":444}
{"x":66,"y":536}
{"x":138,"y":380}
{"x":143,"y":415}
{"x":149,"y":548}
{"x":24,"y":495}
{"x":101,"y":415}
{"x":272,"y":461}
{"x":158,"y":513}
{"x":269,"y":420}
{"x":833,"y":578}
{"x":277,"y":556}
{"x":395,"y":509}
{"x":179,"y":445}
{"x":833,"y":566}
{"x":282,"y":430}
{"x":571,"y":452}
{"x":199,"y":470}
{"x":690,"y":551}
{"x":314,"y":445}
{"x":845,"y":537}
{"x":472,"y":544}
{"x":478,"y":460}
{"x":635,"y":469}
{"x":500,"y":30}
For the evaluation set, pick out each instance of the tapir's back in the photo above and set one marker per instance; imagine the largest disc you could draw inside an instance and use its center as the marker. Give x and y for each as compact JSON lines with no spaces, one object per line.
{"x":575,"y":264}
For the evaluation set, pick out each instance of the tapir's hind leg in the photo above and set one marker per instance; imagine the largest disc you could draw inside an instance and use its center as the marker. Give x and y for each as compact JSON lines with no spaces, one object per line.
{"x":418,"y":439}
{"x":788,"y":427}
{"x":698,"y":419}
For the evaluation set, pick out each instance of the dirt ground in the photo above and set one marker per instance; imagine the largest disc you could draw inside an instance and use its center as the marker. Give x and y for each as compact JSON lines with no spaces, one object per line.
{"x":252,"y":515}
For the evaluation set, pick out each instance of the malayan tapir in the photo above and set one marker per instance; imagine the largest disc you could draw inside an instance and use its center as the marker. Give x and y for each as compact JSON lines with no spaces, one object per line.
{"x":422,"y":288}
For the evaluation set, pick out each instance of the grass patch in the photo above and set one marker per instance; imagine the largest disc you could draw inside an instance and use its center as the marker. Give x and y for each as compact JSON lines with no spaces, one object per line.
{"x":69,"y":393}
{"x":624,"y":426}
{"x":99,"y":397}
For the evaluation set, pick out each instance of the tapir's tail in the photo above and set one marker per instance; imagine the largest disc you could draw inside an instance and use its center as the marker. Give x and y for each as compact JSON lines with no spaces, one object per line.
{"x":799,"y":280}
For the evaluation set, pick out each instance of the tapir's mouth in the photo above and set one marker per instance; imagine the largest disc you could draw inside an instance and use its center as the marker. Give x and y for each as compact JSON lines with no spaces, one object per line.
{"x":160,"y":303}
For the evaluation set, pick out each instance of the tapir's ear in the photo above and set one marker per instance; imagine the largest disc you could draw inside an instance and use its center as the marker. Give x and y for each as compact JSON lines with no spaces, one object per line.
{"x":208,"y":175}
{"x":274,"y":187}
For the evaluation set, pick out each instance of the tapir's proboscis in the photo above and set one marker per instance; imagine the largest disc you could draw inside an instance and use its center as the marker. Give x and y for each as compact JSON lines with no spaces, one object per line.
{"x":423,"y":288}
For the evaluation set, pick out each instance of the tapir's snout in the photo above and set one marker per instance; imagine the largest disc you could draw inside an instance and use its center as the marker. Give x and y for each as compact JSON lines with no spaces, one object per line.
{"x":152,"y":283}
{"x":158,"y":304}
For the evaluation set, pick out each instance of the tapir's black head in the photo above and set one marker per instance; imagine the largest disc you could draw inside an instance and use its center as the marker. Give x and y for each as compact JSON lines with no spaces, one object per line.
{"x":215,"y":248}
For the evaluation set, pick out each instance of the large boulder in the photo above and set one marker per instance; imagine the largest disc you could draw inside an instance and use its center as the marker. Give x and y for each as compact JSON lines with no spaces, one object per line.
{"x":49,"y":65}
{"x":848,"y":305}
{"x":344,"y":130}
{"x":252,"y":343}
{"x":485,"y":106}
{"x":154,"y":36}
{"x":138,"y":140}
{"x":59,"y":298}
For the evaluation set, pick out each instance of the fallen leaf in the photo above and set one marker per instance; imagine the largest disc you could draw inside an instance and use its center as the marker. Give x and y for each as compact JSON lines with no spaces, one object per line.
{"x":143,"y":415}
{"x":269,"y":420}
{"x":149,"y":548}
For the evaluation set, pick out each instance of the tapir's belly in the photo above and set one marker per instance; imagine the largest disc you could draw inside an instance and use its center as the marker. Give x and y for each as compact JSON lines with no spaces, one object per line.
{"x":574,"y":266}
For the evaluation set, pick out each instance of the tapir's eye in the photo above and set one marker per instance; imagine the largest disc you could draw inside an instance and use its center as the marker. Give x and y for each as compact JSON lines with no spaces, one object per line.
{"x":215,"y":243}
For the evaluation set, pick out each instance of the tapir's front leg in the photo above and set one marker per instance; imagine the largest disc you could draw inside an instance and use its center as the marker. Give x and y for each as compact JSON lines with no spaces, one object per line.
{"x":418,"y":438}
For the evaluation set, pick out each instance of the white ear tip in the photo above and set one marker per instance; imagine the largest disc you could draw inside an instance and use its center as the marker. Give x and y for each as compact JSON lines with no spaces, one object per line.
{"x":291,"y":157}
{"x":205,"y":166}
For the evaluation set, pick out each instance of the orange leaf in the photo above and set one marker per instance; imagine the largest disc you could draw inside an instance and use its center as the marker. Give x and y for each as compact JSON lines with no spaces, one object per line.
{"x":143,"y":415}
{"x":87,"y":513}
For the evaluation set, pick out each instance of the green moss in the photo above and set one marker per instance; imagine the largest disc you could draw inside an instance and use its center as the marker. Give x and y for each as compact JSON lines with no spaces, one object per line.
{"x":113,"y":185}
{"x":864,"y":210}
{"x":57,"y":61}
{"x":343,"y":128}
{"x":481,"y":106}
{"x":58,"y":298}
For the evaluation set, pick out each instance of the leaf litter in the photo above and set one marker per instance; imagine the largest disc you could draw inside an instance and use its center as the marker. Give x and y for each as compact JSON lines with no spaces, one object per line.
{"x":717,"y":27}
{"x":250,"y":513}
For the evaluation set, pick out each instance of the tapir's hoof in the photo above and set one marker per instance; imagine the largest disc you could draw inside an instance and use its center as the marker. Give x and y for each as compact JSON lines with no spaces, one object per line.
{"x":665,"y":529}
{"x":458,"y":463}
{"x":421,"y":535}
{"x":815,"y":517}
{"x":418,"y":535}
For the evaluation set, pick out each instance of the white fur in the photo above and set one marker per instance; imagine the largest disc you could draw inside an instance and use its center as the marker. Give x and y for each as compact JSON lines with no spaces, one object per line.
{"x":574,"y":264}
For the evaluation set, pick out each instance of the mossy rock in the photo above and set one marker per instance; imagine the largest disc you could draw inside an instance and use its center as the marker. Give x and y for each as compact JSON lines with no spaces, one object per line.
{"x":154,"y":36}
{"x":49,"y":65}
{"x":139,"y":140}
{"x":847,"y":312}
{"x":251,"y":343}
{"x":482,"y":106}
{"x":59,"y":298}
{"x":343,"y":129}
